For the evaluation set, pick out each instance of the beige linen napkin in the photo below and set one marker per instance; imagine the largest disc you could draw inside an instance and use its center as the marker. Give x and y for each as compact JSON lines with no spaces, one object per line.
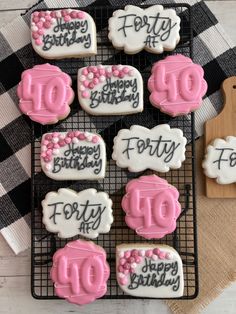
{"x":216,"y":221}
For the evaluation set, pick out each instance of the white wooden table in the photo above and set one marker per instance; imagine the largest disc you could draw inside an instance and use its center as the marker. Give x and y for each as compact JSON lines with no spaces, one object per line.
{"x":15,"y":294}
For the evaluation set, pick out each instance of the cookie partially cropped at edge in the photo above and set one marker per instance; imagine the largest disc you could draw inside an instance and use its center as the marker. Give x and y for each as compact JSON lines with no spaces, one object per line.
{"x":177,"y":85}
{"x":110,"y":89}
{"x":63,"y":33}
{"x":220,"y":160}
{"x":69,"y":213}
{"x":154,"y":29}
{"x":80,"y":272}
{"x":73,"y":155}
{"x":149,"y":270}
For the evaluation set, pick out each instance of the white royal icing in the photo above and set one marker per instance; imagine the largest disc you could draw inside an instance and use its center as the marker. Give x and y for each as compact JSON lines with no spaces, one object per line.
{"x":81,"y":156}
{"x":110,"y":90}
{"x":155,"y":29}
{"x":220,"y":160}
{"x":69,"y":213}
{"x":156,"y":272}
{"x":160,"y":148}
{"x":63,"y":33}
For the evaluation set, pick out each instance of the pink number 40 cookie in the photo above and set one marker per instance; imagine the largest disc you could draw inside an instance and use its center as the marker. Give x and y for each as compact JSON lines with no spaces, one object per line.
{"x":151,"y":206}
{"x":177,"y":85}
{"x":80,"y":272}
{"x":45,"y":94}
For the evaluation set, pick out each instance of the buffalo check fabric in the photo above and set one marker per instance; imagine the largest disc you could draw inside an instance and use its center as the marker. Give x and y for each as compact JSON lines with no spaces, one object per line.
{"x":212,"y":49}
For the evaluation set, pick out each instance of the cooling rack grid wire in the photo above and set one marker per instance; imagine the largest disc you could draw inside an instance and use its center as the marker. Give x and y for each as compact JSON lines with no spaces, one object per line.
{"x":44,"y":244}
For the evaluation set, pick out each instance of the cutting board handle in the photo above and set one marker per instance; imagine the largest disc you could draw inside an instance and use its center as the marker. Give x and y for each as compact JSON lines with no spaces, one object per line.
{"x":226,"y":119}
{"x":219,"y":127}
{"x":229,"y":92}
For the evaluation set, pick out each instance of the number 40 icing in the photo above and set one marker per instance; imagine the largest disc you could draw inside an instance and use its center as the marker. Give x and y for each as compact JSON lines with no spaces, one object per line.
{"x":151,"y":206}
{"x":45,"y":94}
{"x":177,"y":85}
{"x":80,"y":272}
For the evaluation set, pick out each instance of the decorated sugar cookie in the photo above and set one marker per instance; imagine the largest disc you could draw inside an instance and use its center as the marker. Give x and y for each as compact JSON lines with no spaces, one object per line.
{"x":161,"y":148}
{"x":154,"y":29}
{"x":149,"y":270}
{"x":220,"y":160}
{"x":110,"y":90}
{"x":45,"y":94}
{"x":80,"y":272}
{"x":73,"y":155}
{"x":85,"y":213}
{"x":65,"y":33}
{"x":151,"y":206}
{"x":177,"y":85}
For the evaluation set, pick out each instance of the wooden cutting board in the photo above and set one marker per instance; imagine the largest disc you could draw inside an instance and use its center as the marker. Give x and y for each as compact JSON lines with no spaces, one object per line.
{"x":219,"y":127}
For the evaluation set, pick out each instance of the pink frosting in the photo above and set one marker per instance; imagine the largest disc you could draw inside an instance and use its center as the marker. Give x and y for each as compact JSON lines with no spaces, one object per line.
{"x":52,"y":142}
{"x":80,"y":272}
{"x":45,"y":93}
{"x":44,"y":20}
{"x":151,"y":206}
{"x":177,"y":85}
{"x":130,"y":259}
{"x":94,"y":75}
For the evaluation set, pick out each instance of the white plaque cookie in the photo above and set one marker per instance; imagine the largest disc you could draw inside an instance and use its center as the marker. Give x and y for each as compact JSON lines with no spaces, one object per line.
{"x":68,"y":213}
{"x":220,"y":160}
{"x":149,"y":270}
{"x":154,"y":29}
{"x":110,"y":90}
{"x":73,"y":155}
{"x":161,"y":148}
{"x":66,"y":33}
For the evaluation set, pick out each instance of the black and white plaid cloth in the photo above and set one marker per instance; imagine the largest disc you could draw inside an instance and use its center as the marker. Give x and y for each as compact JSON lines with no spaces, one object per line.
{"x":212,"y":49}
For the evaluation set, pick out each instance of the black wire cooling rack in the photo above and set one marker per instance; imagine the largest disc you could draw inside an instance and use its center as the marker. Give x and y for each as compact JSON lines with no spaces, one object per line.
{"x":44,"y":244}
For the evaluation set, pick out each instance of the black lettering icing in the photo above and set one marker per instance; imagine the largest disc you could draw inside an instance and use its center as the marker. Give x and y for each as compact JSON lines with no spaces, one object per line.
{"x":221,"y":159}
{"x":55,"y":213}
{"x":115,"y":92}
{"x":79,"y":158}
{"x":156,"y":274}
{"x":157,"y":148}
{"x":88,"y":215}
{"x":158,"y":28}
{"x":68,"y":34}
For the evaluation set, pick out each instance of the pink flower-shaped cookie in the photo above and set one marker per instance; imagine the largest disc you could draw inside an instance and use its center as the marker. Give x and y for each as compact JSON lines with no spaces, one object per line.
{"x":151,"y":206}
{"x":80,"y":272}
{"x":45,"y":94}
{"x":177,"y":85}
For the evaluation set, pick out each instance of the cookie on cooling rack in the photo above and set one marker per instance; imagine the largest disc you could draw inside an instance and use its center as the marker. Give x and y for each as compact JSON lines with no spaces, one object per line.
{"x":110,"y":90}
{"x":177,"y":85}
{"x":161,"y":148}
{"x":64,"y":33}
{"x":80,"y":272}
{"x":68,"y":213}
{"x":149,"y":270}
{"x":73,"y":155}
{"x":45,"y":94}
{"x":151,"y":206}
{"x":154,"y":29}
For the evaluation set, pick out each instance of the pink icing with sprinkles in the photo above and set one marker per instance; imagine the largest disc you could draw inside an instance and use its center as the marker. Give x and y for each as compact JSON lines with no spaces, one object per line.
{"x":94,"y":75}
{"x":52,"y":142}
{"x":130,"y":259}
{"x":44,"y":20}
